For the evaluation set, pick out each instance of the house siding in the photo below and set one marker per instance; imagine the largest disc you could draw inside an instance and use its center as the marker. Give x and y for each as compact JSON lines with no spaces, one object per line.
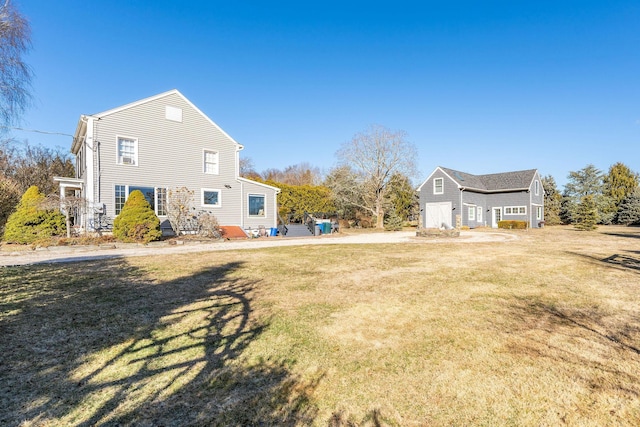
{"x":450,"y":187}
{"x":270,"y":218}
{"x":463,"y":199}
{"x":170,"y":154}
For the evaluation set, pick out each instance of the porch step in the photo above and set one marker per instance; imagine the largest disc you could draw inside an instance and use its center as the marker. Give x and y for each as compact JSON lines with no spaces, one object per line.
{"x":298,"y":230}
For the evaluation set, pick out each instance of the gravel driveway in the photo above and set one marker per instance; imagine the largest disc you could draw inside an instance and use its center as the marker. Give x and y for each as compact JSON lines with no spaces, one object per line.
{"x":85,"y":253}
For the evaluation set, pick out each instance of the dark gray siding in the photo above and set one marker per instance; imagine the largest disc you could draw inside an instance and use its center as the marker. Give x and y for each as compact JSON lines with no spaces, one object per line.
{"x":451,"y":193}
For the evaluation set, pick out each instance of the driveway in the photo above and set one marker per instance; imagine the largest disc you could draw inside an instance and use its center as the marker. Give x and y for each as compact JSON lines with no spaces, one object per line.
{"x":85,"y":253}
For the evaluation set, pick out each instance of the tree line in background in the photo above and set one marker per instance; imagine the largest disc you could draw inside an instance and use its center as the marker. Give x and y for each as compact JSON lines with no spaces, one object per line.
{"x":592,"y":197}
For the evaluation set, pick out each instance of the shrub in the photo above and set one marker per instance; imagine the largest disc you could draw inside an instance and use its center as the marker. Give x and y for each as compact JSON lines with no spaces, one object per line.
{"x":513,"y":225}
{"x":31,"y":222}
{"x":137,"y":222}
{"x":208,"y":226}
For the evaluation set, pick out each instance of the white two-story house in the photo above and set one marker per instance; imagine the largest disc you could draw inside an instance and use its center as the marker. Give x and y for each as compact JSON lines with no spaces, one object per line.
{"x":156,"y":145}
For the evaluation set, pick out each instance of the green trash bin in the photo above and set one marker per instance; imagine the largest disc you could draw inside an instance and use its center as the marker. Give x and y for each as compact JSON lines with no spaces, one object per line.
{"x":326,"y":228}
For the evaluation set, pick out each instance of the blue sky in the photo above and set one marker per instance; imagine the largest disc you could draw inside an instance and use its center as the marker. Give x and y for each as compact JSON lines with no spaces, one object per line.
{"x":479,"y":86}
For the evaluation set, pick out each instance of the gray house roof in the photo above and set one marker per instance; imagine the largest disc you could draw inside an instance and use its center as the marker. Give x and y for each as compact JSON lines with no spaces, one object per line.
{"x":495,"y":182}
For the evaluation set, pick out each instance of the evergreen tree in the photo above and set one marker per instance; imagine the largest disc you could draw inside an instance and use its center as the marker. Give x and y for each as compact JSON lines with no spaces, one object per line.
{"x":393,"y":221}
{"x":619,"y":183}
{"x":586,"y":215}
{"x":552,"y":201}
{"x":137,"y":222}
{"x":629,"y":211}
{"x":586,"y":182}
{"x":31,"y":222}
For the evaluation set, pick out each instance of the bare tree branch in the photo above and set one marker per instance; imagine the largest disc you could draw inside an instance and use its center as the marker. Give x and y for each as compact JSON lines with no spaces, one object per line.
{"x":15,"y":74}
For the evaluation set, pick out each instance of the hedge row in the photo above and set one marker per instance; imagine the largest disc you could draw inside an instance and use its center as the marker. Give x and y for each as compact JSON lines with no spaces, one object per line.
{"x":513,"y":225}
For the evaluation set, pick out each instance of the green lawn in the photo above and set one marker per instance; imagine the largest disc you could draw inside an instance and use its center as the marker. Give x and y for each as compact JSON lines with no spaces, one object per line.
{"x":544,"y":330}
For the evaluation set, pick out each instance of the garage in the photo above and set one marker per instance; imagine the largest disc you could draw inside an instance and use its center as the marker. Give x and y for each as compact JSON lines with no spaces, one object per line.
{"x":437,"y":215}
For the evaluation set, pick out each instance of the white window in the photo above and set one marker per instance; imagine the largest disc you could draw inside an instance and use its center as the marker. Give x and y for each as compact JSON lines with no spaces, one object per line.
{"x":127,"y":151}
{"x":211,"y":162}
{"x":539,"y":212}
{"x":479,"y":214}
{"x":537,"y":185}
{"x":157,"y":197}
{"x":257,"y":205}
{"x":438,"y":186}
{"x":515,"y":210}
{"x":472,"y":213}
{"x":211,"y":198}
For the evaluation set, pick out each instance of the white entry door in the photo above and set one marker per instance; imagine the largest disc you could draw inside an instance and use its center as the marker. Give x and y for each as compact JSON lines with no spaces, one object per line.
{"x":496,"y":217}
{"x":437,"y":215}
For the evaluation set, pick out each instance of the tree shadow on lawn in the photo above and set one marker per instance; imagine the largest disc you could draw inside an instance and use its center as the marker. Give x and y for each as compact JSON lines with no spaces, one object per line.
{"x":628,"y":261}
{"x":98,"y":343}
{"x":585,"y":341}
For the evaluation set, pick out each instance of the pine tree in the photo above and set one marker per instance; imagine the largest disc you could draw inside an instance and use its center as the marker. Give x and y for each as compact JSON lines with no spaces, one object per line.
{"x":619,"y":183}
{"x":137,"y":222}
{"x":586,"y":215}
{"x":552,"y":201}
{"x":629,"y":211}
{"x":31,"y":222}
{"x":393,"y":222}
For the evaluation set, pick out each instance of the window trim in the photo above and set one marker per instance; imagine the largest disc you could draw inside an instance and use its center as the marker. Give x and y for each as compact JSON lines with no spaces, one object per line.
{"x":435,"y":186}
{"x":204,"y":161}
{"x":509,"y":210}
{"x":127,"y":191}
{"x":471,"y":213}
{"x":135,"y":150}
{"x":537,"y":187}
{"x":205,"y":205}
{"x":539,"y":212}
{"x":479,"y":214}
{"x":264,"y":197}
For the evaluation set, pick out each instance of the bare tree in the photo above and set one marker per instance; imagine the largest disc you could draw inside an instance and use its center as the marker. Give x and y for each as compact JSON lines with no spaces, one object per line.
{"x":72,"y":207}
{"x":375,"y":156}
{"x":15,"y":74}
{"x":247,"y":168}
{"x":180,"y":208}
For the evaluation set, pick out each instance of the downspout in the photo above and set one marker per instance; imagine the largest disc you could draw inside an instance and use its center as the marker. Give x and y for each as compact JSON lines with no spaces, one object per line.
{"x":461,"y":208}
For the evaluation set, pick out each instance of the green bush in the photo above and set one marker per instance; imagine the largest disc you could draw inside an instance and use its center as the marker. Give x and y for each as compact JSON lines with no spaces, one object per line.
{"x":513,"y":225}
{"x":137,"y":222}
{"x":32,"y":222}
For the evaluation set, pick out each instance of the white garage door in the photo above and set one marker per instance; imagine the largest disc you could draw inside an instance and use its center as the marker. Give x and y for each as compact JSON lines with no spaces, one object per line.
{"x":437,"y":214}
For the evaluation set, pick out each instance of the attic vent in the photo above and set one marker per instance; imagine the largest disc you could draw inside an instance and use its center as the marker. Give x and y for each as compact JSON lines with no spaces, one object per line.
{"x":173,"y":113}
{"x":457,"y":174}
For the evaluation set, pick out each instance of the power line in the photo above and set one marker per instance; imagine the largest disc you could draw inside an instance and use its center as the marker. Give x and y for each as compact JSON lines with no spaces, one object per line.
{"x":36,"y":131}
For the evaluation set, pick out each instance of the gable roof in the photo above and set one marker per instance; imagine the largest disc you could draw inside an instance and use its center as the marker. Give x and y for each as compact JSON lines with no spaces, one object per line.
{"x":490,"y":183}
{"x":81,"y":128}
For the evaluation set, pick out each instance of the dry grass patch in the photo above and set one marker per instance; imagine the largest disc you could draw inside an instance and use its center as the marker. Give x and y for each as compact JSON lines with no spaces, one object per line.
{"x":543,"y":330}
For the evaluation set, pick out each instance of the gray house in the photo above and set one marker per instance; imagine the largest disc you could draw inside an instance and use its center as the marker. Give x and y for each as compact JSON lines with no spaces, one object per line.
{"x":156,"y":145}
{"x":450,"y":198}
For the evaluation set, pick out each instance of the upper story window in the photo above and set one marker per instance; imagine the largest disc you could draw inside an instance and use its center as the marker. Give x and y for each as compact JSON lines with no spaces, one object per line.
{"x":127,"y":151}
{"x":438,"y":186}
{"x":537,"y":187}
{"x":211,"y":162}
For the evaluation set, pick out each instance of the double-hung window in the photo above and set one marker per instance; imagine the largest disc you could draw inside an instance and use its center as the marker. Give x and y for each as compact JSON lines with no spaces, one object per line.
{"x":211,"y":162}
{"x":256,"y":205}
{"x":479,"y":214}
{"x":127,"y":151}
{"x":438,"y":186}
{"x":472,"y":213}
